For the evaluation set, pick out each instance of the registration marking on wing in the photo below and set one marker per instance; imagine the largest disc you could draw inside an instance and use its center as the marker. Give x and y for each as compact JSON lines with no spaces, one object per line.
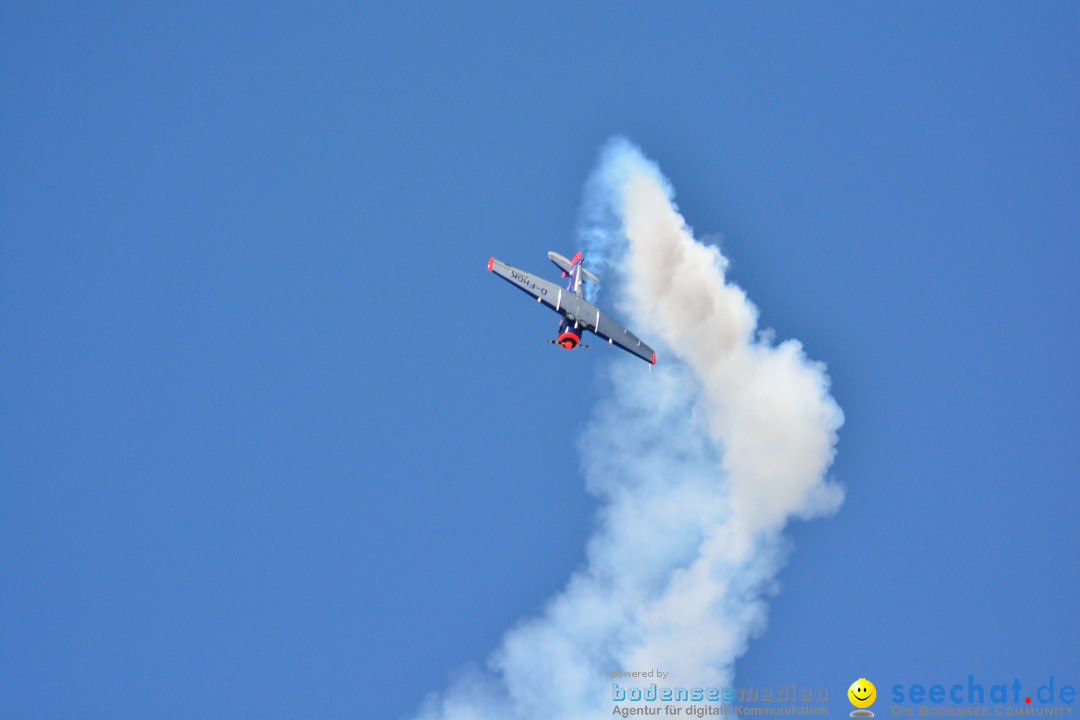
{"x":526,"y":282}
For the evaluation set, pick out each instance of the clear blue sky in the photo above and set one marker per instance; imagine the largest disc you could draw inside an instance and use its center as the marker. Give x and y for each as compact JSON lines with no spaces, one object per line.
{"x":274,"y":444}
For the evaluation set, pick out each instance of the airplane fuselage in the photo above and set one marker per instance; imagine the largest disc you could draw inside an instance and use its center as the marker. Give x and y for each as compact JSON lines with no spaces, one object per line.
{"x":569,"y":329}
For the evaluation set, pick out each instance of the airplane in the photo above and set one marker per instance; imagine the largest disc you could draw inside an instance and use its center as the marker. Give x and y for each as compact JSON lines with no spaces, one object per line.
{"x":577,"y":313}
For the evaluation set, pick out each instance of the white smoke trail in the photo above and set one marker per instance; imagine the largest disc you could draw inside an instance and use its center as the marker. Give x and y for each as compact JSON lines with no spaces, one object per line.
{"x":699,"y":465}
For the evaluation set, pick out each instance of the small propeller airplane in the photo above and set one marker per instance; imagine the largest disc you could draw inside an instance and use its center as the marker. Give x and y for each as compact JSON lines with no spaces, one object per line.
{"x":577,"y":313}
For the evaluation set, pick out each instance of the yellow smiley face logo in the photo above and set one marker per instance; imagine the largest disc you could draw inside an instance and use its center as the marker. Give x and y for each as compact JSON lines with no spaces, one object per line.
{"x":862,"y":693}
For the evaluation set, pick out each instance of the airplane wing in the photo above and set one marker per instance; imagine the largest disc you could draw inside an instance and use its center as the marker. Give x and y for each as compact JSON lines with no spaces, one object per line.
{"x":575,"y":308}
{"x":602,"y":325}
{"x":546,"y":292}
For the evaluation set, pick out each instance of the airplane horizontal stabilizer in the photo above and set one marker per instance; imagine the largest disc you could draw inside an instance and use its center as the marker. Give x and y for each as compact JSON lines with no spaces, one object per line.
{"x":560,"y":262}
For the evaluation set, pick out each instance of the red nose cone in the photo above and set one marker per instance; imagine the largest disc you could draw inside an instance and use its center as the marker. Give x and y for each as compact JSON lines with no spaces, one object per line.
{"x":568,"y":340}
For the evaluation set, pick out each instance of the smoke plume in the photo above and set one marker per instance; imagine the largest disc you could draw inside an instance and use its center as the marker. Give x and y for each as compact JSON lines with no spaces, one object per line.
{"x":698,"y":467}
